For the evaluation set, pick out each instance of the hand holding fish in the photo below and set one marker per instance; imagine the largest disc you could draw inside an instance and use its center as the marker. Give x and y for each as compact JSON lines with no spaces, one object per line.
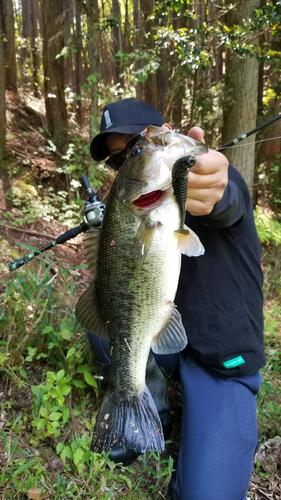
{"x":207,"y":180}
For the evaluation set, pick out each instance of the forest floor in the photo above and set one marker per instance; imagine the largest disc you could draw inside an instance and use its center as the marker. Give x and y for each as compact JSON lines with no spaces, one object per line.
{"x":48,"y":391}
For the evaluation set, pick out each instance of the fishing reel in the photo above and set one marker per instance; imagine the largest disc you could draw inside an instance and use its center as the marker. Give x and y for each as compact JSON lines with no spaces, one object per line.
{"x":93,"y":216}
{"x":94,"y":208}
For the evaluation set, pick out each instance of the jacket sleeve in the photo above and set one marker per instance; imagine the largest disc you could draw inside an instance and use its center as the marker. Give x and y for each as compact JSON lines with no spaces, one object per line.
{"x":233,"y":206}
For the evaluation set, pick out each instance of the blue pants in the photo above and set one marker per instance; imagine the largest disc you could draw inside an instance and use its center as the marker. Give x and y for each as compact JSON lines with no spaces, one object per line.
{"x":219,"y":428}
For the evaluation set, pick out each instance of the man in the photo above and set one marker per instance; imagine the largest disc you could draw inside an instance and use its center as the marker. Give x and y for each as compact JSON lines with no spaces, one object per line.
{"x":220,"y":299}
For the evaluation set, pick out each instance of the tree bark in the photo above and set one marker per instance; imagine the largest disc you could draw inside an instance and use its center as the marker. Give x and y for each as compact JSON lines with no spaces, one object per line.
{"x":94,"y":55}
{"x":9,"y":45}
{"x":150,"y":85}
{"x":127,"y":44}
{"x":241,"y":90}
{"x":78,"y":69}
{"x":35,"y":53}
{"x":117,"y":45}
{"x":68,"y":25}
{"x":137,"y":40}
{"x":2,"y":89}
{"x":53,"y":73}
{"x":26,"y":35}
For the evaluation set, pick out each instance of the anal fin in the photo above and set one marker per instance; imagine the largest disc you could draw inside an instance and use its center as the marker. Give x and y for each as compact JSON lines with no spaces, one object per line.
{"x":172,"y":338}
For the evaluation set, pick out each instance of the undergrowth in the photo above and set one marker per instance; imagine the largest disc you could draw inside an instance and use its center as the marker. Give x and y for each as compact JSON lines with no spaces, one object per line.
{"x":51,"y":397}
{"x":50,"y":390}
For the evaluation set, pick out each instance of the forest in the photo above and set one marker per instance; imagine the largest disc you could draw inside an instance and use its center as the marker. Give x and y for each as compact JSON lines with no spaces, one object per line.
{"x":215,"y":65}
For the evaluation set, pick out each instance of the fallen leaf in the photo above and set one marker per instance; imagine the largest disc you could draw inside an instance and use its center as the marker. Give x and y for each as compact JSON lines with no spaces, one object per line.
{"x":57,"y":465}
{"x":34,"y":494}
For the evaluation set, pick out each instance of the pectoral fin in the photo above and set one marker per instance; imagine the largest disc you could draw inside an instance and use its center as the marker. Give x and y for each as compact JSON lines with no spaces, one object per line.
{"x":144,"y":238}
{"x":87,"y":312}
{"x":172,"y":338}
{"x":188,"y":242}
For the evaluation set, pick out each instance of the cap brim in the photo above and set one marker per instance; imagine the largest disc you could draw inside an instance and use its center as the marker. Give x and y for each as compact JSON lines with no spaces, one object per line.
{"x":98,"y":147}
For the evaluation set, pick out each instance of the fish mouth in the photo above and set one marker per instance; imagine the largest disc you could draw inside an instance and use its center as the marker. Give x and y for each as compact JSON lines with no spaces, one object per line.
{"x":150,"y":199}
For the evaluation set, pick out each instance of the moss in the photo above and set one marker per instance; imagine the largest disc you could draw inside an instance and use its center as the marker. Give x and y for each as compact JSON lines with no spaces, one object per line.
{"x":22,"y":189}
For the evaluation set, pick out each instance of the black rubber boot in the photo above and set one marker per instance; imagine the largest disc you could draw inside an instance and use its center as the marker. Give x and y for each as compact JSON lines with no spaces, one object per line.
{"x":156,"y":383}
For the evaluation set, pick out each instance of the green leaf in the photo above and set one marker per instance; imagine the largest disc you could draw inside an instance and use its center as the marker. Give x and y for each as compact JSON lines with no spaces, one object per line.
{"x":54,"y":416}
{"x":79,"y":383}
{"x":22,"y":372}
{"x":42,"y":355}
{"x":43,"y":412}
{"x":66,"y":453}
{"x":77,"y":456}
{"x":70,"y":352}
{"x":65,"y":390}
{"x":127,"y":480}
{"x":59,"y":447}
{"x":108,"y":495}
{"x":24,"y":467}
{"x":65,"y":415}
{"x":41,"y":424}
{"x":60,"y":374}
{"x":66,"y":334}
{"x":47,"y":329}
{"x":83,"y":368}
{"x":90,"y":379}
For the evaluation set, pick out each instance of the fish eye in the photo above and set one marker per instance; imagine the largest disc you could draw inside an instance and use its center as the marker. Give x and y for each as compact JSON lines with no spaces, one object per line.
{"x":136,"y":151}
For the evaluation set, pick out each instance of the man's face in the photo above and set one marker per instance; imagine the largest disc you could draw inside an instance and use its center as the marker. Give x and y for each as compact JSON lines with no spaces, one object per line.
{"x":120,"y":146}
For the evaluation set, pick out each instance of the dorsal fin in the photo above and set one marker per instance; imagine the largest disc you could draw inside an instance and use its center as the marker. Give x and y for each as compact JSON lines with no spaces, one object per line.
{"x":91,"y":249}
{"x":87,"y":312}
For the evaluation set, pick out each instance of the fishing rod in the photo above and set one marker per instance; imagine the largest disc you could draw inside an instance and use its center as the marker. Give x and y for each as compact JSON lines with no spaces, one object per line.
{"x":94,"y":208}
{"x":93,"y":215}
{"x":244,"y":136}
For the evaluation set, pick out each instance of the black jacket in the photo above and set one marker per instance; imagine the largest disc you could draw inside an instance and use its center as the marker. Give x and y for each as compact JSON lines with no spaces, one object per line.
{"x":220,"y":293}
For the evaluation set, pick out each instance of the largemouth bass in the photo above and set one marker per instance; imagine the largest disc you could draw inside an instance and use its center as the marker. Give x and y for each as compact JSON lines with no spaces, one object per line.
{"x":136,"y":263}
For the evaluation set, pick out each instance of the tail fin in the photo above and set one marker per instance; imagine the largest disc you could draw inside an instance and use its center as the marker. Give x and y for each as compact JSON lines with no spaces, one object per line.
{"x":132,"y":422}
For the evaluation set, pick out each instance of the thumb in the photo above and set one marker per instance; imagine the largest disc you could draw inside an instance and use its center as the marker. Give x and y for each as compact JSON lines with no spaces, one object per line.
{"x":196,"y":133}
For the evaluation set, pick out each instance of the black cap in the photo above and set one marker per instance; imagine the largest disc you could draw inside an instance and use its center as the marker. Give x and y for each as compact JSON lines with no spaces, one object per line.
{"x":127,"y":116}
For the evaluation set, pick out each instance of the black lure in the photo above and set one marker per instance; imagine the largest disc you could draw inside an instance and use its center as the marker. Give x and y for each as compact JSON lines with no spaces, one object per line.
{"x":180,"y":181}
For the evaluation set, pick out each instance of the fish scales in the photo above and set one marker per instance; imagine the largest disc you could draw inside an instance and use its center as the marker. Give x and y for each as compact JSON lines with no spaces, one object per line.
{"x":136,"y":298}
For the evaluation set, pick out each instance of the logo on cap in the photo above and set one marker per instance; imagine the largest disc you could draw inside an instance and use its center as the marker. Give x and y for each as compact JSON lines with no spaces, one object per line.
{"x":107,"y":118}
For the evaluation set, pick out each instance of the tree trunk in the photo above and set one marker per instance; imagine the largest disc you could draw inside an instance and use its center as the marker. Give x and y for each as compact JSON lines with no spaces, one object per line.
{"x":78,"y":69}
{"x":137,"y":40}
{"x":150,"y":85}
{"x":35,"y":53}
{"x":2,"y":89}
{"x":163,"y":83}
{"x":241,"y":90}
{"x":68,"y":25}
{"x":9,"y":45}
{"x":127,"y":44}
{"x":26,"y":35}
{"x":117,"y":39}
{"x":94,"y":55}
{"x":53,"y":73}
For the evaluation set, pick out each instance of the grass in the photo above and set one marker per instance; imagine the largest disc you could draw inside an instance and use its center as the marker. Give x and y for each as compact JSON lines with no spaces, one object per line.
{"x":50,"y":396}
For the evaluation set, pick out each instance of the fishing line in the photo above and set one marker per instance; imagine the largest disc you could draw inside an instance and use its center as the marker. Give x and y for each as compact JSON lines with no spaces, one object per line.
{"x":177,"y":133}
{"x":249,"y":143}
{"x":247,"y":134}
